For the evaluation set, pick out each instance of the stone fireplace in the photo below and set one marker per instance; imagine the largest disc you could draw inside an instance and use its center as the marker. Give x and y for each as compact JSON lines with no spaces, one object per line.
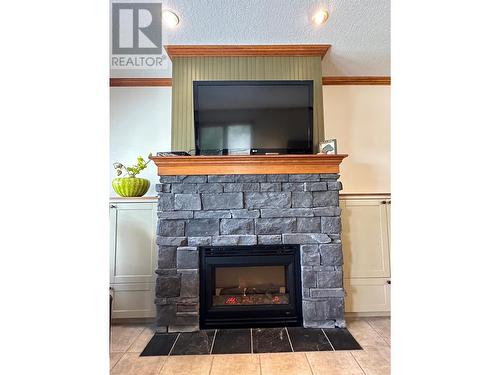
{"x":221,"y":210}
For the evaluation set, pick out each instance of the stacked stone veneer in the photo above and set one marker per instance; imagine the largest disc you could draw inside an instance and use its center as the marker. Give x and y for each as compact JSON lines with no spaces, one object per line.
{"x":222,"y":210}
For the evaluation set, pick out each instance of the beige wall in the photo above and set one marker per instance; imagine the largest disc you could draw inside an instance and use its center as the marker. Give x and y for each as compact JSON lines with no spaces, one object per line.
{"x":359,"y":118}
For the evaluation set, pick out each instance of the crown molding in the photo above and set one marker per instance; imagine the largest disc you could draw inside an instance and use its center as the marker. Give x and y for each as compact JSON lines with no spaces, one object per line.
{"x":144,"y":82}
{"x":167,"y":82}
{"x":358,"y":80}
{"x":247,"y":50}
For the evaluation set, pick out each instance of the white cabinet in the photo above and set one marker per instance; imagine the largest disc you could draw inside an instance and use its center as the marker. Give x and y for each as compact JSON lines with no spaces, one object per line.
{"x":365,"y":237}
{"x":133,"y":258}
{"x":133,"y":300}
{"x":366,"y":248}
{"x":367,"y":296}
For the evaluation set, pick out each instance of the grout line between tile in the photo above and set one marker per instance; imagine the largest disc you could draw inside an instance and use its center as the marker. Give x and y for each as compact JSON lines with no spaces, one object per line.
{"x":353,"y":356}
{"x":260,"y":365}
{"x":251,"y":343}
{"x":381,"y":333}
{"x":290,"y":341}
{"x":372,"y":327}
{"x":386,"y":341}
{"x":310,"y":366}
{"x":322,"y":330}
{"x":163,"y":365}
{"x":175,"y":342}
{"x":112,"y":367}
{"x":137,"y":338}
{"x":211,"y":365}
{"x":213,"y":341}
{"x":376,"y":331}
{"x":134,"y":340}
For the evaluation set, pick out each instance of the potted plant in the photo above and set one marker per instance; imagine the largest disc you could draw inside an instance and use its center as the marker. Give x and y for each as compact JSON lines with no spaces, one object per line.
{"x":130,"y":185}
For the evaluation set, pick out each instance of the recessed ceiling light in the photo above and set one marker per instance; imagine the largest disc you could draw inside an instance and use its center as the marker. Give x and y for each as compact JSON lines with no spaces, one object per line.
{"x":320,"y":17}
{"x":170,"y":18}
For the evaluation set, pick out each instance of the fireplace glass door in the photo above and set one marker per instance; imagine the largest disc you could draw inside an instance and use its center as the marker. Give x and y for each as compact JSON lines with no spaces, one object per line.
{"x":260,"y":285}
{"x":250,"y":286}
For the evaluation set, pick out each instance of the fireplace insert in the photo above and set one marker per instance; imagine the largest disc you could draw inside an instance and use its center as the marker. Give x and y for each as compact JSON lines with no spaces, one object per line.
{"x":250,"y":286}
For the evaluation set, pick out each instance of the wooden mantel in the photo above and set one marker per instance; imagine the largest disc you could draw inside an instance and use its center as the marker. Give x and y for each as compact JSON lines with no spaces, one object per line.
{"x":247,"y":50}
{"x":247,"y":164}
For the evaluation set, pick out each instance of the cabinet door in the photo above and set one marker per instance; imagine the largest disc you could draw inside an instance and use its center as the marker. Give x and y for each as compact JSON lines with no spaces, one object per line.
{"x":133,"y":300}
{"x":365,"y":238}
{"x":133,"y":252}
{"x":367,"y":295}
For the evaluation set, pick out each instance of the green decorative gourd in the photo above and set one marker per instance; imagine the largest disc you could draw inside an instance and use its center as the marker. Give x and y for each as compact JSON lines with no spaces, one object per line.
{"x":131,"y":186}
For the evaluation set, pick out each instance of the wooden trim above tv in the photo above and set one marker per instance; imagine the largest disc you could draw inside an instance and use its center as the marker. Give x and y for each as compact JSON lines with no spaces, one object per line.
{"x":134,"y":82}
{"x":247,"y":50}
{"x":357,"y":80}
{"x":167,"y":82}
{"x":247,"y":164}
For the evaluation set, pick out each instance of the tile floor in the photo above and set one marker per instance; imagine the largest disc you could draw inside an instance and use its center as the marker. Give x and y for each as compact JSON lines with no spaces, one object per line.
{"x":373,"y":334}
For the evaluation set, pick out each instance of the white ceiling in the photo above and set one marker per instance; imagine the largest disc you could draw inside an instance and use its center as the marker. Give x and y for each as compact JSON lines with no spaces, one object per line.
{"x":358,"y":30}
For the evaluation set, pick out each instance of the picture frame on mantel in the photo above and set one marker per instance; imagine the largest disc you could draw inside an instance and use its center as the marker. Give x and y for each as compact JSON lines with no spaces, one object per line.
{"x":328,"y":146}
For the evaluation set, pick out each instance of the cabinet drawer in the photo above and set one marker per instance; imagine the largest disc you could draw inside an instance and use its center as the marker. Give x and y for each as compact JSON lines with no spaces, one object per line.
{"x":367,"y":295}
{"x":133,"y":300}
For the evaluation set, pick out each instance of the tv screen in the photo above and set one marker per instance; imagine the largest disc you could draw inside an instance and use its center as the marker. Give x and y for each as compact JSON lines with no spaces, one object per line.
{"x":253,"y":117}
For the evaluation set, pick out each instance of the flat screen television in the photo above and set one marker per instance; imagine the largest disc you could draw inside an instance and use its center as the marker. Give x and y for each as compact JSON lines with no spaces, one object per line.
{"x":253,"y":117}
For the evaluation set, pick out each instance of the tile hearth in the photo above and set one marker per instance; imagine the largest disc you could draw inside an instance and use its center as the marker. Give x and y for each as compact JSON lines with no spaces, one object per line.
{"x":250,"y":341}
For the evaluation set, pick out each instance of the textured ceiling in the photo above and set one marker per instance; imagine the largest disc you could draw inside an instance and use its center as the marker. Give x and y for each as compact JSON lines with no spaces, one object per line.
{"x":358,"y":30}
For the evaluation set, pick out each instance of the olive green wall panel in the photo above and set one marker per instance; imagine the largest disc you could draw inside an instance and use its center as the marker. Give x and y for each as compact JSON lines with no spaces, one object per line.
{"x":185,"y":70}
